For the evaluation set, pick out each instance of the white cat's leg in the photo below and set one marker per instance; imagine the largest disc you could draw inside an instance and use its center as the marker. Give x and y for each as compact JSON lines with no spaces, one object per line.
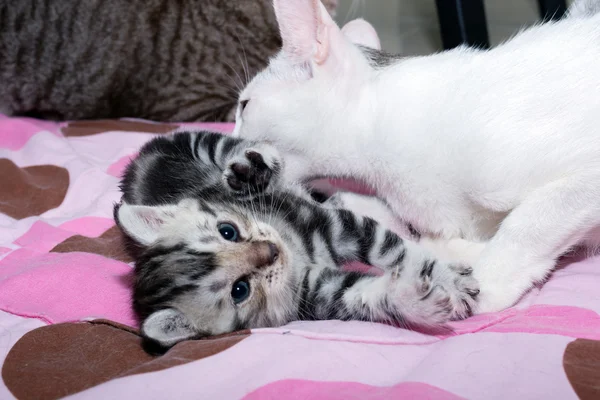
{"x":457,"y":250}
{"x":550,"y":221}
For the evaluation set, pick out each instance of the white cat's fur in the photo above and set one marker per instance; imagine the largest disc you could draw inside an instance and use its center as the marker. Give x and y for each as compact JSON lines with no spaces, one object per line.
{"x":499,"y":147}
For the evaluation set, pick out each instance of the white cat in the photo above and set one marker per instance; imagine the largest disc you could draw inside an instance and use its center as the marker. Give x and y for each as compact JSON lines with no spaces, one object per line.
{"x":500,"y":147}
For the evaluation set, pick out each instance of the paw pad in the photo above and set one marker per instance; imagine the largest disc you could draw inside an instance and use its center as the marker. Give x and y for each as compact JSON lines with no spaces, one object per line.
{"x":251,"y":174}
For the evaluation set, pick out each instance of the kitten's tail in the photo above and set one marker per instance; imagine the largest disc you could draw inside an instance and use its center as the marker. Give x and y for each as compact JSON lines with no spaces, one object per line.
{"x":583,"y":8}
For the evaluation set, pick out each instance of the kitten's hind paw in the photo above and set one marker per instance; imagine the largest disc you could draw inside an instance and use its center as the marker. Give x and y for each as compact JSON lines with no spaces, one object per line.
{"x":461,"y":289}
{"x":440,"y":293}
{"x":254,"y":170}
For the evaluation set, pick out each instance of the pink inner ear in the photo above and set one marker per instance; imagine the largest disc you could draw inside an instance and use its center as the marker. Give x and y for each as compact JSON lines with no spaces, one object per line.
{"x":298,"y":23}
{"x":325,"y":23}
{"x":151,"y":218}
{"x":361,"y":32}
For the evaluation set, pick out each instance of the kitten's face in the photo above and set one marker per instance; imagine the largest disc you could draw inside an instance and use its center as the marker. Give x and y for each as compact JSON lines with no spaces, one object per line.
{"x":310,"y":81}
{"x":216,"y":268}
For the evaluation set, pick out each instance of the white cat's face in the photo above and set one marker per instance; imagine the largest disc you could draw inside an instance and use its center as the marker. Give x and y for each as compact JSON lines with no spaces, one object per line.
{"x":310,"y":82}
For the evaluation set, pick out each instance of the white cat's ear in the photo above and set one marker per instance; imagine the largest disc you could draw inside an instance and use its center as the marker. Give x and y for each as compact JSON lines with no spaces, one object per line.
{"x":168,"y":327}
{"x":359,"y":31}
{"x":304,"y":26}
{"x":143,"y":223}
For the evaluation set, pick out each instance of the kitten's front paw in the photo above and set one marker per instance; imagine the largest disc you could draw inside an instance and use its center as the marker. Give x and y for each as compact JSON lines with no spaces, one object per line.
{"x":254,"y":170}
{"x":444,"y":292}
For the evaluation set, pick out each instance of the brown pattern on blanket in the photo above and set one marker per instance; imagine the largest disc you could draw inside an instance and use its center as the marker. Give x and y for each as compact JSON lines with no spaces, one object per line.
{"x":581,"y":362}
{"x":30,"y":191}
{"x":110,"y":244}
{"x":89,"y":128}
{"x":68,"y":358}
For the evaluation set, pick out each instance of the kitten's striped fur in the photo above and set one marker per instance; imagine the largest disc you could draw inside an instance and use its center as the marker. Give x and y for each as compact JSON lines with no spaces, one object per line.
{"x":181,"y":187}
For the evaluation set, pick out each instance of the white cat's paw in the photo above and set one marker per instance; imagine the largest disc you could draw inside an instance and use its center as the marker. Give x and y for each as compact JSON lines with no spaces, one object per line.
{"x":497,"y":296}
{"x":504,"y":282}
{"x":492,"y":300}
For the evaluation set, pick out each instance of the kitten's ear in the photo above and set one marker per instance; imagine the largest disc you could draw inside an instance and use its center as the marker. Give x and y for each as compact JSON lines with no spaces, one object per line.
{"x":143,"y":223}
{"x":304,"y":26}
{"x":361,"y":32}
{"x":168,"y":327}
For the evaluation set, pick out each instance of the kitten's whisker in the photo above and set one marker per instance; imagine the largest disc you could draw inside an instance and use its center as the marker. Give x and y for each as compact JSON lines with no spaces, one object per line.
{"x":272,"y":211}
{"x":270,"y":215}
{"x":254,"y":212}
{"x":282,"y":201}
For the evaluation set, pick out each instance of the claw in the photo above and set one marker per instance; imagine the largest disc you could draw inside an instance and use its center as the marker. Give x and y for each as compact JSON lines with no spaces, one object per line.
{"x":462,"y":269}
{"x":432,"y":289}
{"x":469,"y":310}
{"x":427,"y":269}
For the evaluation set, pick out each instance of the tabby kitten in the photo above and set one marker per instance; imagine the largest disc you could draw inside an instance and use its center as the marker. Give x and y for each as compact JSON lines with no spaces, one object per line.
{"x":156,"y":59}
{"x":226,"y":246}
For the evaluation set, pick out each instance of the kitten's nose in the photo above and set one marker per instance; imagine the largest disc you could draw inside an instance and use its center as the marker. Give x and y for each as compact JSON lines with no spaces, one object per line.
{"x":263,"y":254}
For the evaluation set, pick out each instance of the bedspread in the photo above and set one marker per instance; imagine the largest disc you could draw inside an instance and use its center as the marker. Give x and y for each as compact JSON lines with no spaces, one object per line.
{"x":67,"y":328}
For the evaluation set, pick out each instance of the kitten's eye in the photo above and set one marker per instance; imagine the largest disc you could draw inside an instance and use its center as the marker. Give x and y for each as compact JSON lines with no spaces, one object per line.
{"x":240,"y":291}
{"x":243,"y":105}
{"x":229,"y":232}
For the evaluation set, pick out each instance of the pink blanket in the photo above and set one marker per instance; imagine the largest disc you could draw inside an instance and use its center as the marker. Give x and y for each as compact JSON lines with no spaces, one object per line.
{"x":67,"y":325}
